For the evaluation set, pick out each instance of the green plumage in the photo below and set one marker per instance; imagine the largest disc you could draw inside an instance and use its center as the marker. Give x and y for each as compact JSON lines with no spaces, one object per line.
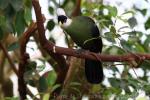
{"x":81,"y":30}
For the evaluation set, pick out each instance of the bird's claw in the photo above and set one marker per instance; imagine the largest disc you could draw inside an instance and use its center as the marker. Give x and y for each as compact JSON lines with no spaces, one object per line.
{"x":79,"y":51}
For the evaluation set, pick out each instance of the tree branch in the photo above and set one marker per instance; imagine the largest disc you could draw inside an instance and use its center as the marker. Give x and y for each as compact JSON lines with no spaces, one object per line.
{"x":9,"y":58}
{"x":77,"y":9}
{"x":96,"y":56}
{"x":23,"y":61}
{"x":43,"y":41}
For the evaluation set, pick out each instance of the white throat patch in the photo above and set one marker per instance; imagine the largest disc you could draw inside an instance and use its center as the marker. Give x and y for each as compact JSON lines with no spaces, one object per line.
{"x":67,"y":23}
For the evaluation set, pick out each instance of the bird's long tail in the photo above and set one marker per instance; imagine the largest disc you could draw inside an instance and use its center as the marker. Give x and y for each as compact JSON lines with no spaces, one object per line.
{"x":94,"y":71}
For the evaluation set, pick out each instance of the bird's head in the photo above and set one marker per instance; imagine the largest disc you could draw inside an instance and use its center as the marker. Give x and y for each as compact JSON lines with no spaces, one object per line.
{"x":63,"y":20}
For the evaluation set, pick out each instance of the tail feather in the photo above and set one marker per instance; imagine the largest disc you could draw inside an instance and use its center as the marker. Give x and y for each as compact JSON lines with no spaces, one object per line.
{"x":94,"y":71}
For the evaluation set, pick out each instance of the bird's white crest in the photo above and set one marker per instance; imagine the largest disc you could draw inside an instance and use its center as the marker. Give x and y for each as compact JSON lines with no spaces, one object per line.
{"x":60,"y":11}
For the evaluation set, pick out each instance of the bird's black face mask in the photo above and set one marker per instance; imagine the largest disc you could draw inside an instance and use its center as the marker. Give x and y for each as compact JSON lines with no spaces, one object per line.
{"x":62,"y":19}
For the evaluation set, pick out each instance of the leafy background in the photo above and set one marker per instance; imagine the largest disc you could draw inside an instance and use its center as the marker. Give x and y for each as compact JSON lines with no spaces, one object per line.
{"x":124,"y":27}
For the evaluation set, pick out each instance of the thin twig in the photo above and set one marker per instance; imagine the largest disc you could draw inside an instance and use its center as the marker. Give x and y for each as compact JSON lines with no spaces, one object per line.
{"x":9,"y":58}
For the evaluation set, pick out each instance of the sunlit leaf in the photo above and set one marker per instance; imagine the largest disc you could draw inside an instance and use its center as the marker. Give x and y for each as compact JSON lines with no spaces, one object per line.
{"x":27,"y":15}
{"x":46,"y":96}
{"x":11,"y":98}
{"x":50,"y":77}
{"x":112,"y":10}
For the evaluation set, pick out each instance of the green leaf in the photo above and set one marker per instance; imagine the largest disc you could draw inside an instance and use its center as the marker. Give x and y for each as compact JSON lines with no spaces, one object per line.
{"x":2,"y":21}
{"x":29,"y":75}
{"x":31,"y":65}
{"x":51,"y":78}
{"x":134,"y":83}
{"x":55,"y":87}
{"x":114,"y":50}
{"x":105,"y":21}
{"x":40,"y":68}
{"x":9,"y":12}
{"x":143,"y":11}
{"x":27,"y":3}
{"x":113,"y":29}
{"x":32,"y":83}
{"x":126,"y":45}
{"x":27,"y":15}
{"x":75,"y":84}
{"x":43,"y":86}
{"x":46,"y":96}
{"x":51,"y":10}
{"x":17,"y":4}
{"x":112,"y":11}
{"x":132,"y":22}
{"x":139,"y":48}
{"x":145,"y":65}
{"x":4,"y":3}
{"x":5,"y":24}
{"x":13,"y":46}
{"x":110,"y":37}
{"x":11,"y":98}
{"x":20,"y":22}
{"x":147,"y":24}
{"x":147,"y":89}
{"x":1,"y":33}
{"x":50,"y":25}
{"x":128,"y":12}
{"x":114,"y":82}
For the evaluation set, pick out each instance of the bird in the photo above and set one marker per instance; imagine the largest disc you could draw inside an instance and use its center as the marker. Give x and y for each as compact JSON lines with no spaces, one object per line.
{"x":85,"y":33}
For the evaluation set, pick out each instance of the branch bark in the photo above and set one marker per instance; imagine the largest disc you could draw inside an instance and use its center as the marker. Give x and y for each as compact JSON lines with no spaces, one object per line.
{"x":23,"y":60}
{"x":44,"y":42}
{"x":9,"y":58}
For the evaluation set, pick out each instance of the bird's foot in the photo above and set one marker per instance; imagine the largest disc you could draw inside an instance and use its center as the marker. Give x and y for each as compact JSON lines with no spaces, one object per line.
{"x":79,"y":51}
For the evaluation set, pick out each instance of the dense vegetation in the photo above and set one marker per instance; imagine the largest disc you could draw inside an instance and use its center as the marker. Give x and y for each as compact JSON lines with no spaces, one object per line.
{"x":123,"y":80}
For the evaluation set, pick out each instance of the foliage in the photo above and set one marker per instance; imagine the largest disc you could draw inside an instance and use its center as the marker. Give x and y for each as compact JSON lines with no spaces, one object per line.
{"x":15,"y":18}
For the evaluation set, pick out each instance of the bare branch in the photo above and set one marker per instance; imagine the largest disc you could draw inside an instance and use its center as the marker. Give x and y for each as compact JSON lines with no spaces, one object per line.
{"x":9,"y":58}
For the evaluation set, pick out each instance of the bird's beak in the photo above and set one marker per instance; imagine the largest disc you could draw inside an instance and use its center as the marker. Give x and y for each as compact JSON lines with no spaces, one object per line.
{"x":59,"y":21}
